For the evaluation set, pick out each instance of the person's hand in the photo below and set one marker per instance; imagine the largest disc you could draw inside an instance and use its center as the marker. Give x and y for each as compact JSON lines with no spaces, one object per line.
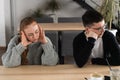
{"x":42,"y":37}
{"x":24,"y":40}
{"x":101,"y":34}
{"x":92,"y":34}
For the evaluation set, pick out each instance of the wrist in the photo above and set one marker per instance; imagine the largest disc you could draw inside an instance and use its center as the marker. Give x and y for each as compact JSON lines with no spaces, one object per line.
{"x":44,"y":42}
{"x":91,"y":40}
{"x":25,"y":45}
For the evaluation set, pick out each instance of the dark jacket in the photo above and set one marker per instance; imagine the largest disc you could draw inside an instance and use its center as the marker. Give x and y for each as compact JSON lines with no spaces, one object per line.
{"x":82,"y":49}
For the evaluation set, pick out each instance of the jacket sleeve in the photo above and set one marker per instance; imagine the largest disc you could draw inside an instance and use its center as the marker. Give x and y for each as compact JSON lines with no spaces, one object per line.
{"x":12,"y":57}
{"x":49,"y":56}
{"x":112,"y":51}
{"x":82,"y":49}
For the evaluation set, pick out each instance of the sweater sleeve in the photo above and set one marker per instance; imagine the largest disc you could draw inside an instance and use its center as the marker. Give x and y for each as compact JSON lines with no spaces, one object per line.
{"x":12,"y":57}
{"x":49,"y":56}
{"x":111,"y":51}
{"x":82,"y":49}
{"x":114,"y":59}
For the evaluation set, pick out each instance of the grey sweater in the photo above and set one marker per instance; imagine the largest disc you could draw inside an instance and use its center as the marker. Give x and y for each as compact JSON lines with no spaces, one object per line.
{"x":38,"y":53}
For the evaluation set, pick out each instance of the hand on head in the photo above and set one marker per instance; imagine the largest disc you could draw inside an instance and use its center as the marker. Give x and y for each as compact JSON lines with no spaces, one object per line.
{"x":90,"y":33}
{"x":24,"y":40}
{"x":33,"y":33}
{"x":42,"y":37}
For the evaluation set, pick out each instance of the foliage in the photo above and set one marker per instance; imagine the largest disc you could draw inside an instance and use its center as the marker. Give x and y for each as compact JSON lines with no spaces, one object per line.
{"x":109,"y":9}
{"x":37,"y":13}
{"x":53,"y":5}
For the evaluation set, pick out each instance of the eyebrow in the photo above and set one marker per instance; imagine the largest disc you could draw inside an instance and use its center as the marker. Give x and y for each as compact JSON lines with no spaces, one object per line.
{"x":32,"y":33}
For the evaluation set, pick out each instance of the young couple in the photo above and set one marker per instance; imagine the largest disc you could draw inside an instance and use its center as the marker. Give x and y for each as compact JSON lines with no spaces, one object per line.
{"x":94,"y":44}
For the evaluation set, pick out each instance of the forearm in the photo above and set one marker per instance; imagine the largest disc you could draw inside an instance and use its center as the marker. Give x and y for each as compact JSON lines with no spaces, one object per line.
{"x":102,"y":61}
{"x":82,"y":57}
{"x":49,"y":56}
{"x":113,"y":60}
{"x":82,"y":51}
{"x":12,"y":57}
{"x":114,"y":51}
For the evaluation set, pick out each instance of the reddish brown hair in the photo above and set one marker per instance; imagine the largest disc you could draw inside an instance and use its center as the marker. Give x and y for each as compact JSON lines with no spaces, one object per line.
{"x":25,"y":22}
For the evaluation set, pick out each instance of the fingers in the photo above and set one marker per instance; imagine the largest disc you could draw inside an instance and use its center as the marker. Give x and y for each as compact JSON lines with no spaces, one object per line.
{"x":92,"y":34}
{"x":42,"y":37}
{"x":22,"y":36}
{"x":24,"y":40}
{"x":42,"y":33}
{"x":40,"y":29}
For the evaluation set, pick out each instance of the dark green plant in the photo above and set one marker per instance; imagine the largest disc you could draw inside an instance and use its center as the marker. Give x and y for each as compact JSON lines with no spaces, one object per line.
{"x":108,"y":9}
{"x":53,"y":5}
{"x":37,"y":13}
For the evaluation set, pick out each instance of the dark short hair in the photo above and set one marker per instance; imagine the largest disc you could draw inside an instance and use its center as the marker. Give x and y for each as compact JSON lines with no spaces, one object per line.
{"x":90,"y":17}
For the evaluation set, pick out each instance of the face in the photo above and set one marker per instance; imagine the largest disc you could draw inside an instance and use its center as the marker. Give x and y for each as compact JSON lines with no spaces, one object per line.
{"x":98,"y":28}
{"x":32,"y":32}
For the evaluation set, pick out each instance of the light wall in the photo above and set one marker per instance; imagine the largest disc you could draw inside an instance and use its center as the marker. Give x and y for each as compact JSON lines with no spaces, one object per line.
{"x":8,"y":26}
{"x":23,"y":8}
{"x":69,"y":8}
{"x":2,"y":24}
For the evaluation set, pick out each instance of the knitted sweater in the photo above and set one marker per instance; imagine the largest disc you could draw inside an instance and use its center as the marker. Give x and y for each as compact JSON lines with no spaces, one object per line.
{"x":38,"y":53}
{"x":82,"y":50}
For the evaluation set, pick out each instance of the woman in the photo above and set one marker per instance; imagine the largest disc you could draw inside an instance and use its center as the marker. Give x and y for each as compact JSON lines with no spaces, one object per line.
{"x":30,"y":47}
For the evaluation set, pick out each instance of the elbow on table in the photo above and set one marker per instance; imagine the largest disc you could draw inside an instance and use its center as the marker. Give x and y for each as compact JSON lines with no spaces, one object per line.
{"x":9,"y":65}
{"x":80,"y":65}
{"x":50,"y":62}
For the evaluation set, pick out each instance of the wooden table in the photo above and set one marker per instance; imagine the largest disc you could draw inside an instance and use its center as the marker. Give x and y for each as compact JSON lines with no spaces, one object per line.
{"x":59,"y":72}
{"x":62,"y":26}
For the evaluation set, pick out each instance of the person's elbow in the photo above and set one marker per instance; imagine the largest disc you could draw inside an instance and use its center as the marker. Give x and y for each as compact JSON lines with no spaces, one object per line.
{"x":50,"y":62}
{"x":79,"y":65}
{"x":9,"y":64}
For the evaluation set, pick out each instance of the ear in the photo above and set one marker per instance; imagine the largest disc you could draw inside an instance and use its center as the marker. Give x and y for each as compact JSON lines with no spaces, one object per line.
{"x":86,"y":28}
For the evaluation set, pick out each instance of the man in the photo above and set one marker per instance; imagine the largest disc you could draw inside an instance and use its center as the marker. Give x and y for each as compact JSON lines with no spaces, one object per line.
{"x":95,"y":44}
